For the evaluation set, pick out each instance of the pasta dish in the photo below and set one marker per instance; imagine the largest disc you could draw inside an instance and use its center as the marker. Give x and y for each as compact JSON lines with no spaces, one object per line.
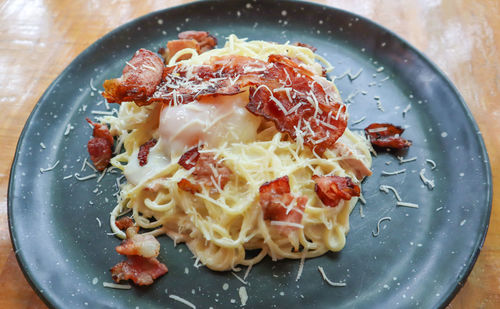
{"x":232,"y":149}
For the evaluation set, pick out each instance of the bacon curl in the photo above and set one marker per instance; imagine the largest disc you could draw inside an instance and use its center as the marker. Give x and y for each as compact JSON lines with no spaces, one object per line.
{"x":275,"y":199}
{"x":142,"y":156}
{"x":141,"y":270}
{"x":207,"y":171}
{"x":139,"y":79}
{"x":99,"y":147}
{"x":332,"y":189}
{"x":387,"y":135}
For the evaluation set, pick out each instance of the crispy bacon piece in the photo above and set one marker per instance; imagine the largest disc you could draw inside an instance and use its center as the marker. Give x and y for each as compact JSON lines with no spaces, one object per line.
{"x":189,"y":158}
{"x":144,"y":245}
{"x":142,"y":156}
{"x":207,"y":170}
{"x":99,"y":147}
{"x":141,"y":265}
{"x":188,"y":186}
{"x":318,"y":119}
{"x":332,"y":189}
{"x":314,"y":49}
{"x":124,"y":223}
{"x":275,"y":199}
{"x":141,"y":270}
{"x":205,"y":40}
{"x":139,"y":79}
{"x":387,"y":135}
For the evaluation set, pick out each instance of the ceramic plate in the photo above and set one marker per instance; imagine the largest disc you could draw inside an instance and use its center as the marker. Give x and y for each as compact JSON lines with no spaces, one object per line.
{"x":421,"y":256}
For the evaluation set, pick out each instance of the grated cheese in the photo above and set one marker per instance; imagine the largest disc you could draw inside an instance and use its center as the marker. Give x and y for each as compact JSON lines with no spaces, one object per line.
{"x":77,"y":176}
{"x":43,"y":170}
{"x":42,"y":145}
{"x":429,"y":183}
{"x":116,"y":286}
{"x":375,"y":234}
{"x":432,"y":163}
{"x":384,"y":173}
{"x":386,"y":189}
{"x":405,"y":204}
{"x":401,"y":160}
{"x":182,"y":300}
{"x":243,"y":295}
{"x":239,"y":278}
{"x":336,"y":284}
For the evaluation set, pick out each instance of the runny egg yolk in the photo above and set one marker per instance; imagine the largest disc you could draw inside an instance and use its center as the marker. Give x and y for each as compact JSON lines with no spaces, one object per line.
{"x":211,"y":121}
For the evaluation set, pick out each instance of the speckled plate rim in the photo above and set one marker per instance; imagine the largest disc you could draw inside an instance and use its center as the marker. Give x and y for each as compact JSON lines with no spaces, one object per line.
{"x":446,"y":297}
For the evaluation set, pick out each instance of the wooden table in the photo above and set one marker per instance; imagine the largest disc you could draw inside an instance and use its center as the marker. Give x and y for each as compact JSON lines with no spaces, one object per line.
{"x":38,"y":39}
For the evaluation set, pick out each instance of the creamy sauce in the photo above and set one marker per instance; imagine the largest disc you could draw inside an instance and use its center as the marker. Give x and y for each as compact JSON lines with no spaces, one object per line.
{"x":136,"y":174}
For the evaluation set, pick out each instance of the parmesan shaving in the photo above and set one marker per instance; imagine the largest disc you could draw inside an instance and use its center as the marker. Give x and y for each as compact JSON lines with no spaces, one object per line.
{"x":429,"y":183}
{"x":77,"y":176}
{"x":239,"y":278}
{"x":117,"y":286}
{"x":405,"y":204}
{"x":386,"y":189}
{"x":182,"y":300}
{"x":242,"y":291}
{"x":336,"y":284}
{"x":402,"y":160}
{"x":375,"y":234}
{"x":384,"y":173}
{"x":43,"y":170}
{"x":432,"y":163}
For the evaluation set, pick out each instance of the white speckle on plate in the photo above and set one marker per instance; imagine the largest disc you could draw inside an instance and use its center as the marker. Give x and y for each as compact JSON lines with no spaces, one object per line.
{"x":444,"y":134}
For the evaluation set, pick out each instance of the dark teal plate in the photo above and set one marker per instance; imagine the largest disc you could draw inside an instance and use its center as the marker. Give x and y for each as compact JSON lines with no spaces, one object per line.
{"x":421,"y":257}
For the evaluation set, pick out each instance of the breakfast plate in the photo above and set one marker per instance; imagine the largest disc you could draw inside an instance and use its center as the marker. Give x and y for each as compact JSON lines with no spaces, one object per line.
{"x":394,"y":255}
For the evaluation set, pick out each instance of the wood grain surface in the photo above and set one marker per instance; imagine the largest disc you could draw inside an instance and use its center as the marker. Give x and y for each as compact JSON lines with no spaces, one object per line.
{"x":38,"y":39}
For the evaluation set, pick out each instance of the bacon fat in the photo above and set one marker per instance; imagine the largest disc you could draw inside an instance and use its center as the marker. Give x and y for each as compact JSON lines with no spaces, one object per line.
{"x":387,"y":135}
{"x":141,"y":270}
{"x":332,"y":189}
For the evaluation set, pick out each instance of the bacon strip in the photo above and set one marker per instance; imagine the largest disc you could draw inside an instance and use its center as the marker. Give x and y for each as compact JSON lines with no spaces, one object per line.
{"x":319,"y":119}
{"x":124,"y":223}
{"x":99,"y":147}
{"x":142,"y":156}
{"x":275,"y":200}
{"x":189,"y":158}
{"x":387,"y":135}
{"x":141,"y":270}
{"x":332,"y":189}
{"x":205,"y":40}
{"x":141,"y":265}
{"x":139,"y":79}
{"x":207,"y":170}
